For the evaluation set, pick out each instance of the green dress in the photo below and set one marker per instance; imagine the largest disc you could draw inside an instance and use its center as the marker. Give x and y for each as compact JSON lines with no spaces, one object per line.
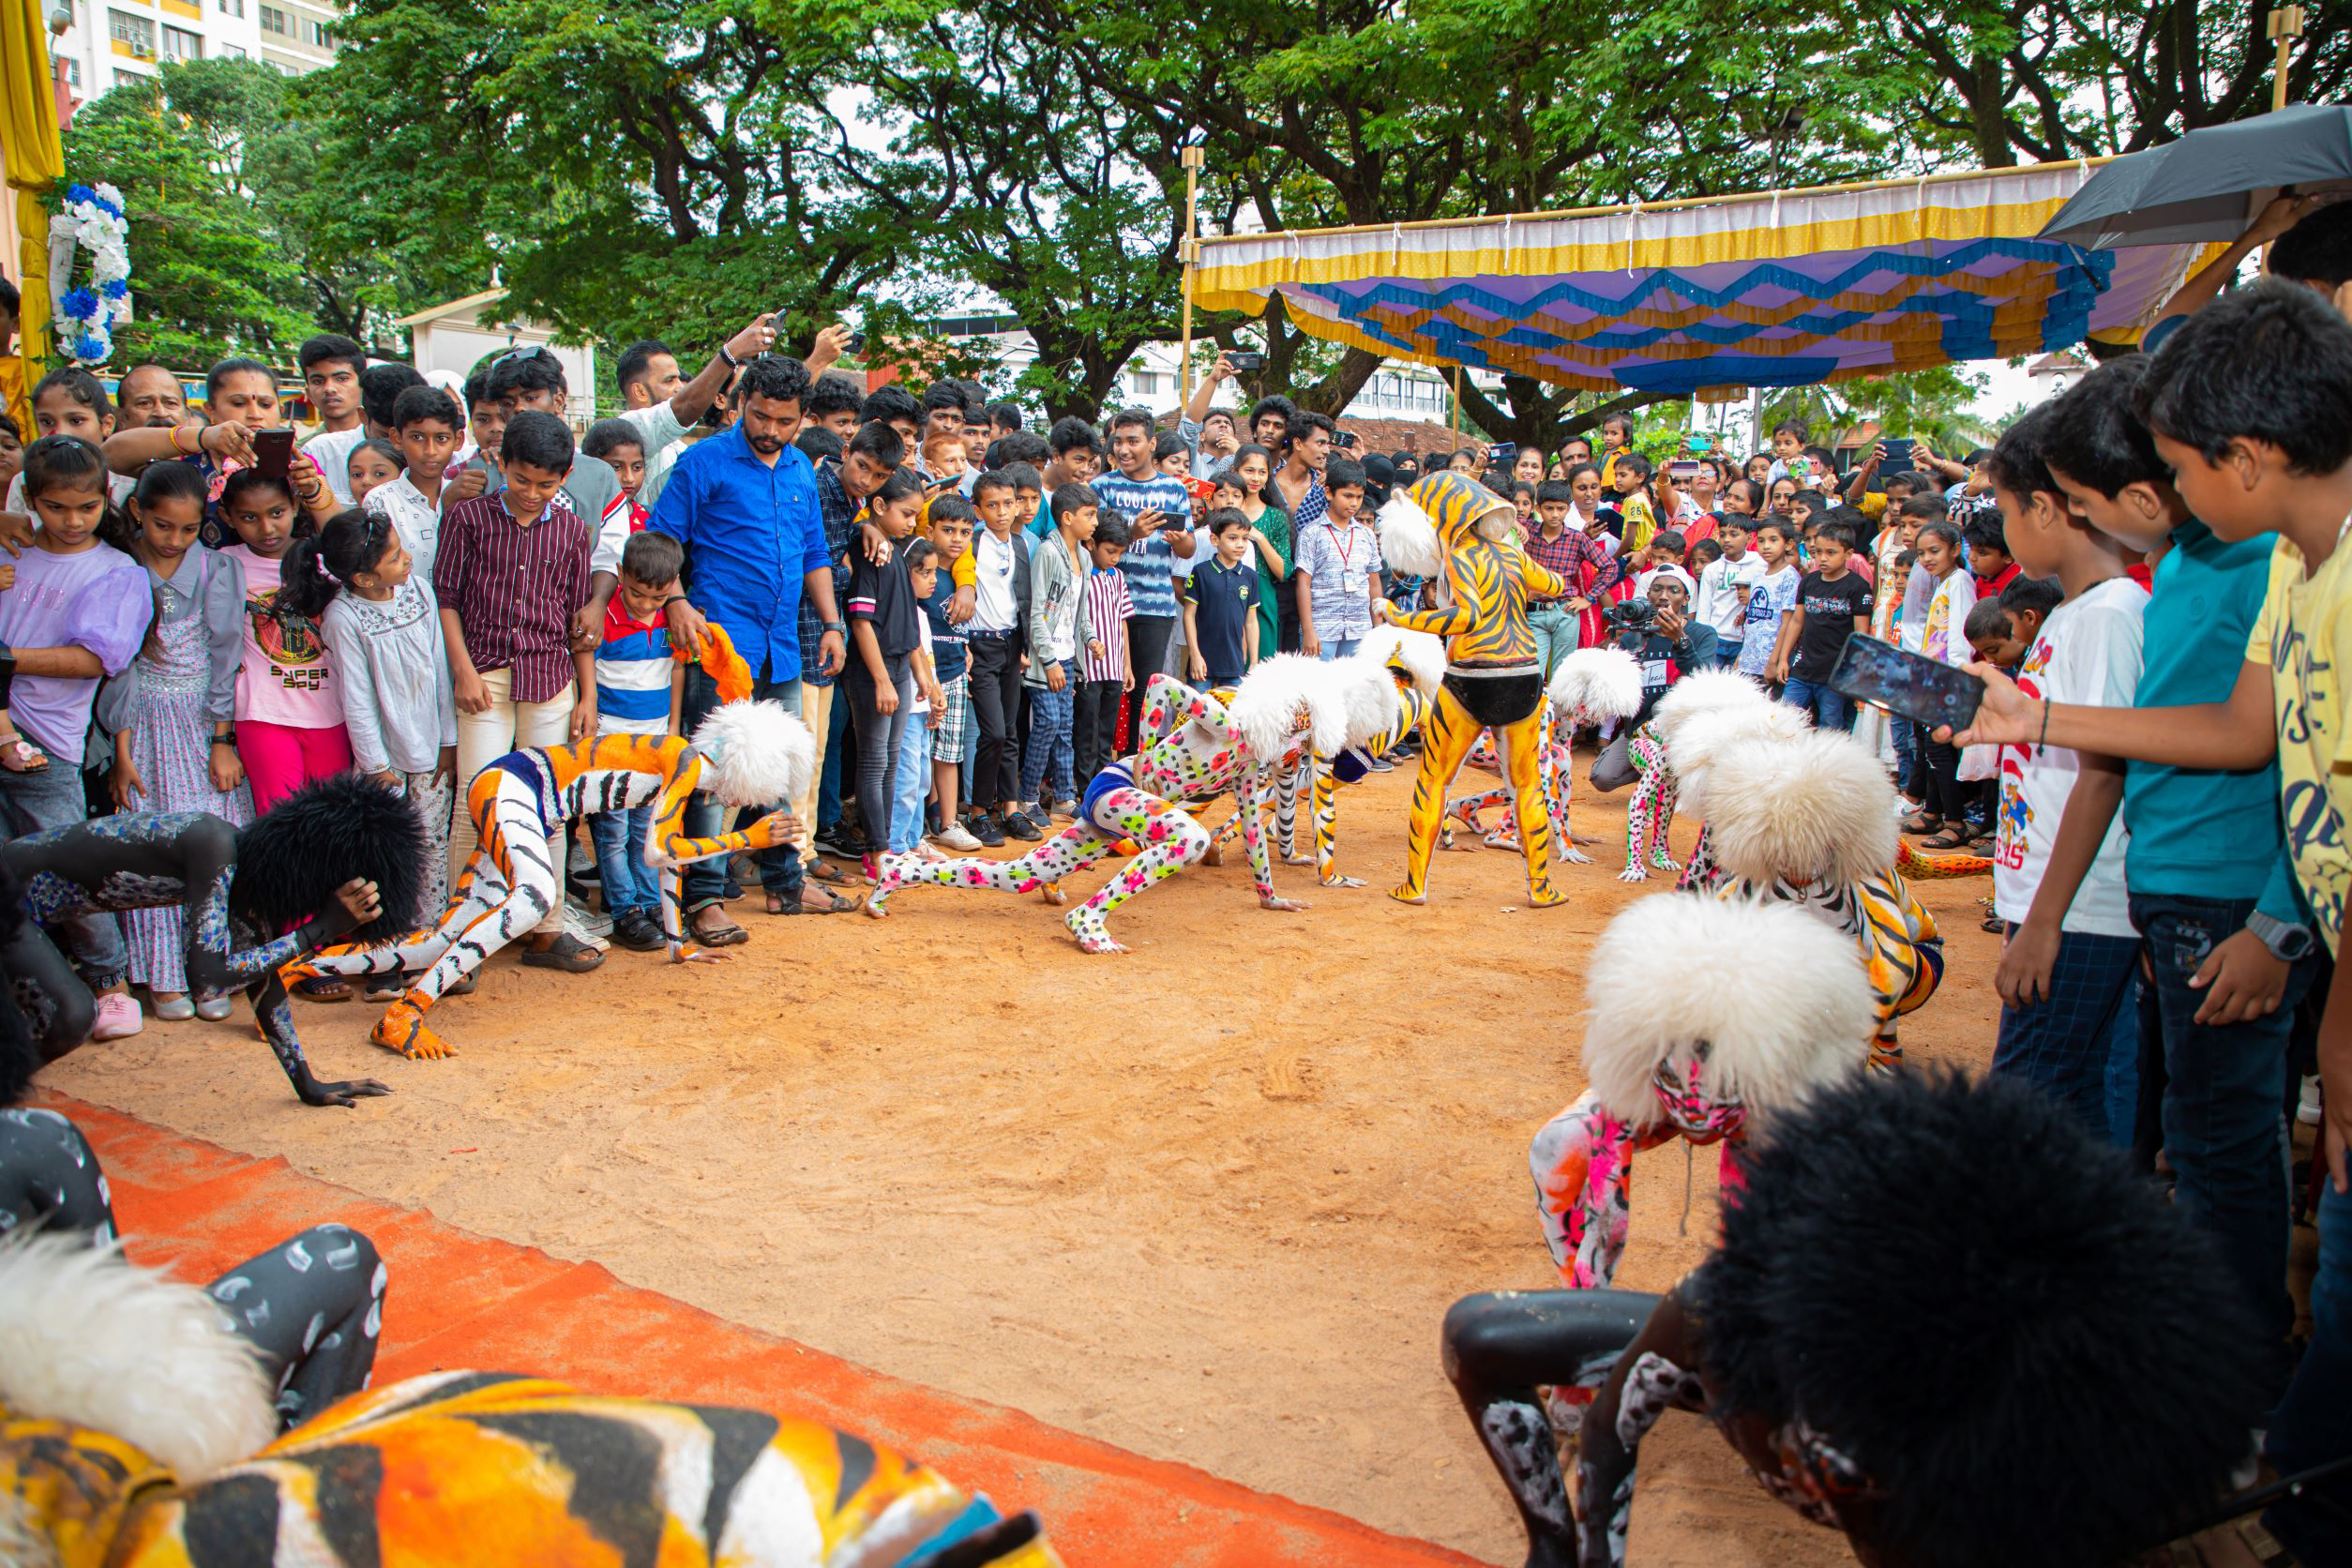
{"x":1275,"y":525}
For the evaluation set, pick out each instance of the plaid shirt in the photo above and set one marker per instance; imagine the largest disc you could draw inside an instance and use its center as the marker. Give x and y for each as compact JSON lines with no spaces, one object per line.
{"x":839,"y":514}
{"x":1566,"y":557}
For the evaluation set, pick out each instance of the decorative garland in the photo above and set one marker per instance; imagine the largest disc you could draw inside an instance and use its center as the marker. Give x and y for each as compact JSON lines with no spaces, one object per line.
{"x":92,"y":218}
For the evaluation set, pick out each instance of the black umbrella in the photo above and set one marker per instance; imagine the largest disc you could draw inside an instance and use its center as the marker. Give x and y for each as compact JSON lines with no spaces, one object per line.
{"x":2211,"y":184}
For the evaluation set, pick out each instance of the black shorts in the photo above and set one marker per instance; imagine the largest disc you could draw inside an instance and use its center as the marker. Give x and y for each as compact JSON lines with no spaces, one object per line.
{"x":1497,"y":701}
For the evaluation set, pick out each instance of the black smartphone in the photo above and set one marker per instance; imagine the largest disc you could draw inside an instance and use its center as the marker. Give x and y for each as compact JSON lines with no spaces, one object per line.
{"x":1911,"y":686}
{"x":1344,"y":438}
{"x":1898,"y":454}
{"x":273,"y":452}
{"x":1502,"y":452}
{"x":1246,"y":360}
{"x":855,"y":346}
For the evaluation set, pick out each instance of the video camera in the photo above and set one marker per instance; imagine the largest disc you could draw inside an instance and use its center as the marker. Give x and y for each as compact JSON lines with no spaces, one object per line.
{"x":1635,"y":615}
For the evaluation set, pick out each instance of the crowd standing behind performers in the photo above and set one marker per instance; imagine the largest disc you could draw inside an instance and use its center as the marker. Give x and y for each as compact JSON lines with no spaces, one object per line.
{"x":965,"y":612}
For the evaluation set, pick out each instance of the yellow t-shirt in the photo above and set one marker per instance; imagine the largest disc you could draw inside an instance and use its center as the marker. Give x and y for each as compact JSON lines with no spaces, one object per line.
{"x":2303,"y":634}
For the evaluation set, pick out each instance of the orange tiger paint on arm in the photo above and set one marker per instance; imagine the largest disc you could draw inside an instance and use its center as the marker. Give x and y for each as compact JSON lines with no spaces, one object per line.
{"x":722,"y":664}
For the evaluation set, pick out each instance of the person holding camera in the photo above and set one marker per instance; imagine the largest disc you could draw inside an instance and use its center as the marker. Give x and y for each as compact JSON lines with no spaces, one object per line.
{"x":1658,"y":631}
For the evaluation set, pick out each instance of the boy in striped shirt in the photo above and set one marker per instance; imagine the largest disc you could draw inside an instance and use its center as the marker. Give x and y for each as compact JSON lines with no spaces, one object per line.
{"x":639,"y":690}
{"x":1106,"y":675}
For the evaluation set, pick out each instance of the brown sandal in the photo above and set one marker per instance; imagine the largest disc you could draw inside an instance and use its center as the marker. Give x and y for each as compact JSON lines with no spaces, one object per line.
{"x":566,"y":953}
{"x":724,"y":934}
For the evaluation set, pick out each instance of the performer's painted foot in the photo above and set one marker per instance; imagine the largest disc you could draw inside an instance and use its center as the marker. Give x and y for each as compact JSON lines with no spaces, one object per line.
{"x":1573,"y":856}
{"x":1091,"y":937}
{"x":1633,"y":874}
{"x":1550,"y":897}
{"x":402,"y":1028}
{"x":1499,"y":839}
{"x":1342,"y":882}
{"x":1052,"y":892}
{"x":1407,"y":894}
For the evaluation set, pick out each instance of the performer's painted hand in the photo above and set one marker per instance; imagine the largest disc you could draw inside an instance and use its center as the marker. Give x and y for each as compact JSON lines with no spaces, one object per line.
{"x":1289,"y":906}
{"x":360,"y":900}
{"x":776,"y":827}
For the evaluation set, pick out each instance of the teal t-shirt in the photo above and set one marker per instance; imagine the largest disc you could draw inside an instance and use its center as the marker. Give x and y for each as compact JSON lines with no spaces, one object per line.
{"x":2197,"y":832}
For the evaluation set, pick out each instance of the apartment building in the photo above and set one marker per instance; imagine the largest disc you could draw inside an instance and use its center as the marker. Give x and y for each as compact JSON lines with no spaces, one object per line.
{"x":111,"y":41}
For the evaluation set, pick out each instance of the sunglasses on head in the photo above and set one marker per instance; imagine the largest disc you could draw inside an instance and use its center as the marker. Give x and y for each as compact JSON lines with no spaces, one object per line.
{"x":533,"y":352}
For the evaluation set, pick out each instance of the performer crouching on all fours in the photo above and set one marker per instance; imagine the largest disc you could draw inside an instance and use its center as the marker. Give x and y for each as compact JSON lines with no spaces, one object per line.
{"x":745,"y":754}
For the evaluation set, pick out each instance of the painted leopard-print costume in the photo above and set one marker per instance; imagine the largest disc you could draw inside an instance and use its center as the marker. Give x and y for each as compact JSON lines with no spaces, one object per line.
{"x":1649,"y":815}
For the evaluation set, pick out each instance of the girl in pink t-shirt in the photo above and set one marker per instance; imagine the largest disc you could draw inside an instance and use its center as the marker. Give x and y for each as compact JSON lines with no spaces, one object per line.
{"x":290,"y":714}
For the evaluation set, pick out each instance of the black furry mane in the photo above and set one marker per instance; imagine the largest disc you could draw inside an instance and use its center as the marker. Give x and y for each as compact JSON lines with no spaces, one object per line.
{"x":2035,"y":1356}
{"x":20,"y":1059}
{"x":296,"y":854}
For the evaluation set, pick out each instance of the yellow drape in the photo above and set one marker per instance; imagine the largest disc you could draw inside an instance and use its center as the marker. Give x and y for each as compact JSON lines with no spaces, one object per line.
{"x":35,"y":163}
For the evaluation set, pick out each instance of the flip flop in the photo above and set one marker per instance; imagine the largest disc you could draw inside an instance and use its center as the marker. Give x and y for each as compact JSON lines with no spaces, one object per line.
{"x":834,"y":904}
{"x":1946,"y":842}
{"x":566,"y":953}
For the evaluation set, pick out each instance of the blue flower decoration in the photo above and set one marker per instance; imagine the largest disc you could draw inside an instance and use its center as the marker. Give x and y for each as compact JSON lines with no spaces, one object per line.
{"x":80,"y":193}
{"x":118,"y":289}
{"x":90,"y":348}
{"x":80,"y":304}
{"x":104,"y":205}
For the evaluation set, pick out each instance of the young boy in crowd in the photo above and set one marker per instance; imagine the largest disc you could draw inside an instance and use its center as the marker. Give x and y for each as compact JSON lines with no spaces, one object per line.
{"x":1830,"y":599}
{"x":951,"y":521}
{"x":1057,"y":580}
{"x":639,"y":689}
{"x":622,"y":445}
{"x":1029,"y":496}
{"x":1338,"y":568}
{"x":1723,"y":586}
{"x":2066,"y":974}
{"x":1221,"y":606}
{"x":428,"y":427}
{"x":1561,"y":548}
{"x":997,"y":639}
{"x":1788,"y":446}
{"x":2027,"y":601}
{"x":1664,"y":555}
{"x":486,"y":421}
{"x":2245,"y":404}
{"x":878,"y":682}
{"x":1103,"y":613}
{"x":518,"y":680}
{"x":1769,"y":598}
{"x":1993,"y":635}
{"x":1988,"y":555}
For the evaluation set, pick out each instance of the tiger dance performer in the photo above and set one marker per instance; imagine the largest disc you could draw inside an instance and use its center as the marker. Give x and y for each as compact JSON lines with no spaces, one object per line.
{"x":340,"y":861}
{"x":1494,"y":677}
{"x":1810,"y":821}
{"x":1590,"y":685}
{"x":745,"y":754}
{"x":1698,"y":1061}
{"x":1385,"y":688}
{"x":1195,"y":748}
{"x":134,"y":1434}
{"x":1642,"y":758}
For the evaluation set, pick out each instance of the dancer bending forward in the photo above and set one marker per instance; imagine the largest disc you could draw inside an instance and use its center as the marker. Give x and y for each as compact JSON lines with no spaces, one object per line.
{"x":745,"y":754}
{"x":1205,"y":753}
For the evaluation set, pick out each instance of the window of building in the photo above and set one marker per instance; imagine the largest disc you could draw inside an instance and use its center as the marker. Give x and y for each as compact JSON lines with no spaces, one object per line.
{"x":273,"y":20}
{"x":133,"y":34}
{"x":181,"y":44}
{"x":232,"y":8}
{"x":232,"y":52}
{"x":73,"y":72}
{"x":320,"y":35}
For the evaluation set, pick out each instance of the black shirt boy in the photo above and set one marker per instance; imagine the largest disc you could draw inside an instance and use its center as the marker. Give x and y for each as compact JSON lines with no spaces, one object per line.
{"x":1831,"y":608}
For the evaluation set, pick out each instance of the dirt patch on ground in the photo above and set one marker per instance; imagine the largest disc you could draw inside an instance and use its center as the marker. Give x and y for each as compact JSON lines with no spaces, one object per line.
{"x":1208,"y":1201}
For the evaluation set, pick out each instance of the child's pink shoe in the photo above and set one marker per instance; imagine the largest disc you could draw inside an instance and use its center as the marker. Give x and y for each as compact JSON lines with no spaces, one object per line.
{"x":117,"y":1018}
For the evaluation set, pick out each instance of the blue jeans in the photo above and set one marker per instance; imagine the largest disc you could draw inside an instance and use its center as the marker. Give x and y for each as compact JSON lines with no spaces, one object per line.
{"x":2067,"y":1043}
{"x":1556,"y":635}
{"x":1911,"y":772}
{"x":2223,"y":1135}
{"x":705,"y":880}
{"x":1830,"y":708}
{"x":1339,"y":647}
{"x":2313,"y":1423}
{"x":1049,"y":751}
{"x":913,"y":782}
{"x":629,"y":884}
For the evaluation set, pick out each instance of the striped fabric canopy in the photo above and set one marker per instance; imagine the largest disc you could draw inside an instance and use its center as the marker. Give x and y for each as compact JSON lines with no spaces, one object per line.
{"x":1710,"y":297}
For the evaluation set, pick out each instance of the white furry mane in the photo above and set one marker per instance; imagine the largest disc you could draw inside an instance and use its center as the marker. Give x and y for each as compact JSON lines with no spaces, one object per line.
{"x":1817,"y":807}
{"x":1408,"y":540}
{"x":1265,"y":706}
{"x":1705,"y":735}
{"x":1780,"y":1000}
{"x":1702,"y":691}
{"x":1594,"y":684}
{"x":90,"y":1339}
{"x":755,"y":754}
{"x":1421,"y":654}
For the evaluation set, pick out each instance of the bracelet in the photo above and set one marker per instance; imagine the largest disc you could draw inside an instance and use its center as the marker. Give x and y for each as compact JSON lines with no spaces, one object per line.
{"x":674,"y":598}
{"x":2044,"y":741}
{"x":176,"y":440}
{"x":732,"y":362}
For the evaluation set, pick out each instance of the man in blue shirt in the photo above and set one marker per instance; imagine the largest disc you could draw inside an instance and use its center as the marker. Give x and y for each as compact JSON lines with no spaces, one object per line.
{"x":1157,"y":509}
{"x":743,"y":503}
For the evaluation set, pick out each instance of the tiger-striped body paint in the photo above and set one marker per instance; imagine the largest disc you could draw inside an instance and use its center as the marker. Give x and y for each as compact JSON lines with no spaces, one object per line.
{"x":1557,"y":762}
{"x":1902,"y":952}
{"x":471,"y":1468}
{"x":1488,"y":582}
{"x":512,"y":879}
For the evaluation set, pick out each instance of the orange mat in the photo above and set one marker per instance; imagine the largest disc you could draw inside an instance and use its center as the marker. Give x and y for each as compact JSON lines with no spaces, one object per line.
{"x":459,"y":1299}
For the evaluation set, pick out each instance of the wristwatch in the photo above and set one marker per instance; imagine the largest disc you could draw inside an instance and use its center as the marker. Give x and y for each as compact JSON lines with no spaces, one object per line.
{"x":2286,"y":941}
{"x":226,"y":737}
{"x":841,"y":626}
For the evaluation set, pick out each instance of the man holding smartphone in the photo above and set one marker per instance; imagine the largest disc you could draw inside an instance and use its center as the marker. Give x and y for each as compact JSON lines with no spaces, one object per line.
{"x":1210,"y":432}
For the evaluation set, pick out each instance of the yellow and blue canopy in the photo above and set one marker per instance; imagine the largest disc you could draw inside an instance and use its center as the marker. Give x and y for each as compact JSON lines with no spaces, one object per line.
{"x":1782,"y":289}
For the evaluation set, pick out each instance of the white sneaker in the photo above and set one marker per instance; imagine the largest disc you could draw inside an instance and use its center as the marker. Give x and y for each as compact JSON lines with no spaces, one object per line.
{"x":590,"y":925}
{"x":2308,"y":1111}
{"x":956,"y":836}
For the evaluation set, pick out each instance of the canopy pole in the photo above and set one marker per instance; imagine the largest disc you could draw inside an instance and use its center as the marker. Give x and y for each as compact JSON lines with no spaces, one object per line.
{"x":2287,"y":25}
{"x":1192,"y":156}
{"x":1457,"y":410}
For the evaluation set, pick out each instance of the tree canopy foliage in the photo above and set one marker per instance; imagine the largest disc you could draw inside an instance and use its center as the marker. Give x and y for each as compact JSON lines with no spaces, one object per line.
{"x":673,"y":166}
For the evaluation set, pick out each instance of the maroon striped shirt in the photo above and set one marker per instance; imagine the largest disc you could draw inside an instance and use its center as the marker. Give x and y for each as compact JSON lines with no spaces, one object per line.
{"x":514,"y":589}
{"x":1106,"y":612}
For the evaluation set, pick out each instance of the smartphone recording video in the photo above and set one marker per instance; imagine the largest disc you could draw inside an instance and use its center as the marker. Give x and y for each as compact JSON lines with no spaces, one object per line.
{"x":1910,"y":686}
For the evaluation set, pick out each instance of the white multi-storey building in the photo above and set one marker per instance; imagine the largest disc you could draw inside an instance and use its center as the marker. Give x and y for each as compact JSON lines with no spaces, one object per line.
{"x":110,"y":42}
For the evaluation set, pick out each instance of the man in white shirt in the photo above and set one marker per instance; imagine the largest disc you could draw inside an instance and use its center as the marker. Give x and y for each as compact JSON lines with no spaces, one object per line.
{"x":330,"y":380}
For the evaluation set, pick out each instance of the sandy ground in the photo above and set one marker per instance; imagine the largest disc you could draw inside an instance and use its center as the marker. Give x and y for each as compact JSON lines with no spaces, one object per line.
{"x":1208,"y":1201}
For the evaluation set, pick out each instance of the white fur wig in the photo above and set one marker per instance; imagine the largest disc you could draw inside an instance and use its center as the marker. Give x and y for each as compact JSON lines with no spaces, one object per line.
{"x":1419,"y":654}
{"x":1264,"y":710}
{"x":1594,"y":684}
{"x":1703,"y":692}
{"x":89,"y":1338}
{"x":1408,"y":540}
{"x":1706,"y":734}
{"x":1779,"y":1000}
{"x":755,"y":754}
{"x":1817,"y":807}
